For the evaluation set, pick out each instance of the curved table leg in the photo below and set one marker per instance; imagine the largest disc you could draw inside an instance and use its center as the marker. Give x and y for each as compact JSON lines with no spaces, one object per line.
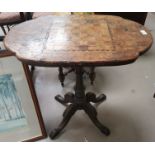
{"x":67,"y":116}
{"x":90,"y":110}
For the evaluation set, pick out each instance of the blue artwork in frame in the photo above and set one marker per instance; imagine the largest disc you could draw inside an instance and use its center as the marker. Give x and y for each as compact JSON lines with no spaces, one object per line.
{"x":12,"y":115}
{"x":20,"y":116}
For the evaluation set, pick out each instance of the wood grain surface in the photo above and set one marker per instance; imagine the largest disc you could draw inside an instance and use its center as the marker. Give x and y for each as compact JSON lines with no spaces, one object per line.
{"x":78,"y":40}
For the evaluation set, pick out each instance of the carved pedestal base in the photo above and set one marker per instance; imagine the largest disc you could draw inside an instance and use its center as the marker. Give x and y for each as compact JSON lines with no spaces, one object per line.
{"x":79,"y":101}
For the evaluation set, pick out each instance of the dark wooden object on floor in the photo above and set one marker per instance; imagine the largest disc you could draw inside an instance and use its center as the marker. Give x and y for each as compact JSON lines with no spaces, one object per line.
{"x":78,"y":41}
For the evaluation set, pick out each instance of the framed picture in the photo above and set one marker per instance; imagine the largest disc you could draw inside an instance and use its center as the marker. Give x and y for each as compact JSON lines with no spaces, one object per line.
{"x":20,"y":116}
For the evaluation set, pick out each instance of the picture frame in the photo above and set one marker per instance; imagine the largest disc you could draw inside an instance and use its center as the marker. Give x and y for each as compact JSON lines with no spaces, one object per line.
{"x":20,"y":115}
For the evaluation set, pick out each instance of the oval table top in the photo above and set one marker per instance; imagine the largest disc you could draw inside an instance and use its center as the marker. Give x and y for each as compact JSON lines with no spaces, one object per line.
{"x":78,"y":40}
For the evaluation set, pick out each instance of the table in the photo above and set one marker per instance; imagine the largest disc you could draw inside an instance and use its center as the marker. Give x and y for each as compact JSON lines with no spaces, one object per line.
{"x":78,"y":41}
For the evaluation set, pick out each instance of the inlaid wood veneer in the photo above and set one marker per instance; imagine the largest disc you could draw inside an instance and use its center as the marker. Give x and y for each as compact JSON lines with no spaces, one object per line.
{"x":74,"y":39}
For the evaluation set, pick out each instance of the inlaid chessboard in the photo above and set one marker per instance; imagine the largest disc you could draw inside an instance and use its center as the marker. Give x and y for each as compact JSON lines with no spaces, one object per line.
{"x":81,"y":36}
{"x":78,"y":39}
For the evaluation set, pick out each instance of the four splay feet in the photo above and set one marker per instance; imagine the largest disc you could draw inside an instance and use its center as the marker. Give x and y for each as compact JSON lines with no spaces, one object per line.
{"x":72,"y":106}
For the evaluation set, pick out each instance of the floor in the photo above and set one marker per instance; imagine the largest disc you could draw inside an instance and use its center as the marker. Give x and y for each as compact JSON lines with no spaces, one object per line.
{"x":129,"y":110}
